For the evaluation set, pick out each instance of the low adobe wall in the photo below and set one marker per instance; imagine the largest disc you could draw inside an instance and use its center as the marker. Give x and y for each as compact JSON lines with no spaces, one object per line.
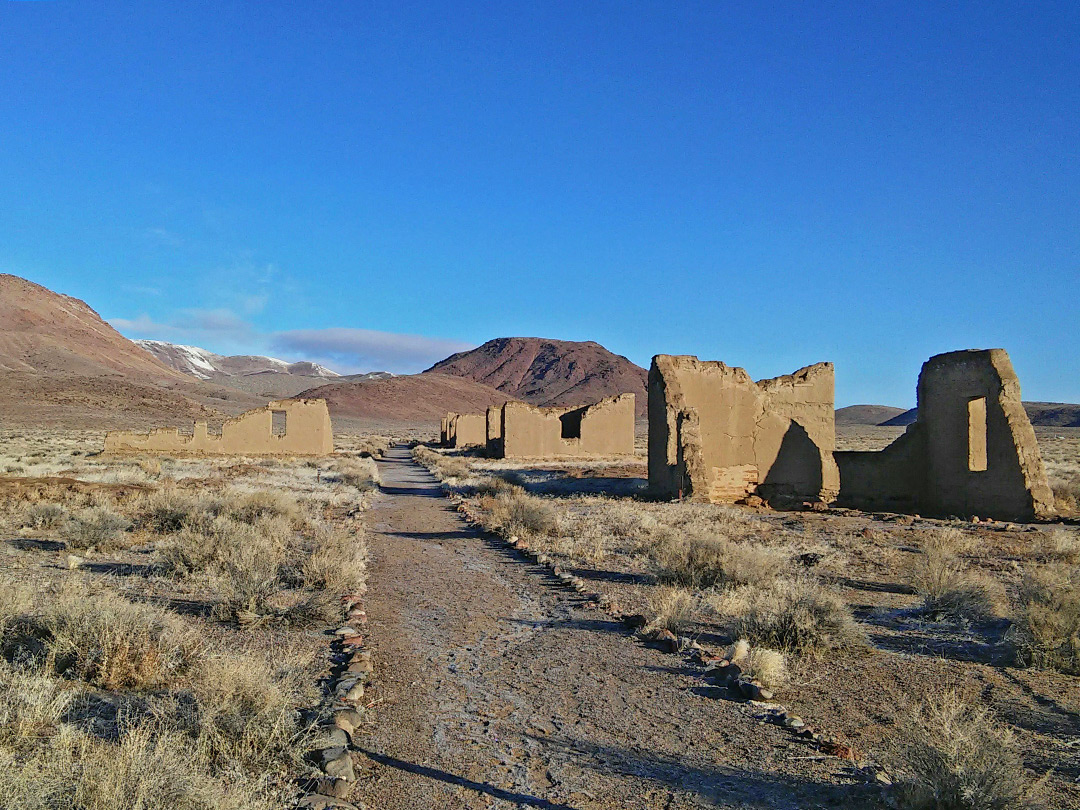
{"x":715,"y":435}
{"x":971,"y":451}
{"x":282,"y":428}
{"x":606,"y":428}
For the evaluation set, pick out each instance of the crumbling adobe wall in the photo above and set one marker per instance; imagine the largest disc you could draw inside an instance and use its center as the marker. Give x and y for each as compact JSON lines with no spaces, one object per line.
{"x":444,"y":429}
{"x":716,"y":435}
{"x":468,"y":430}
{"x":972,"y":450}
{"x":605,"y":428}
{"x":306,"y":431}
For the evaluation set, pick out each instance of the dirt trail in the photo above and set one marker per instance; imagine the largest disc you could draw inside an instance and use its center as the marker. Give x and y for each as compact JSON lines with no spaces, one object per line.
{"x":498,"y":689}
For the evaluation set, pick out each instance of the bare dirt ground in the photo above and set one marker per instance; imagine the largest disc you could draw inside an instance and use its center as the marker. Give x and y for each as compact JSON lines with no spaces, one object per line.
{"x":498,"y":688}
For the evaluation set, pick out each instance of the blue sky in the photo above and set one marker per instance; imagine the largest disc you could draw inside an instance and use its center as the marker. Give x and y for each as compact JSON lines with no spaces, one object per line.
{"x":379,"y":184}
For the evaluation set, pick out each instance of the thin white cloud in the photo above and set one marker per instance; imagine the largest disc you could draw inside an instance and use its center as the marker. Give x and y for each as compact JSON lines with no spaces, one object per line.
{"x":342,"y":349}
{"x":369,"y":349}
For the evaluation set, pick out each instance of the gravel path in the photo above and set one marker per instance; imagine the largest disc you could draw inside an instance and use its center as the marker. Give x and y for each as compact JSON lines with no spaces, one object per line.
{"x":497,"y":689}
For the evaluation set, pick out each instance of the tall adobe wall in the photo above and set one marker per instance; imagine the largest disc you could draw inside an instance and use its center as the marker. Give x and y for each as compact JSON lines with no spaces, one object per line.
{"x":716,"y":435}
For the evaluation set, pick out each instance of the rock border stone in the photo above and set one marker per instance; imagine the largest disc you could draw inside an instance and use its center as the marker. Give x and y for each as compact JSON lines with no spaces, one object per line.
{"x":350,"y":678}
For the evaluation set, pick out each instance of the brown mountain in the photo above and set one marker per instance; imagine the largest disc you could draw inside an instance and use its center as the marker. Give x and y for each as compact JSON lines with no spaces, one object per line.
{"x":549,"y":372}
{"x":411,"y":398}
{"x":61,"y":364}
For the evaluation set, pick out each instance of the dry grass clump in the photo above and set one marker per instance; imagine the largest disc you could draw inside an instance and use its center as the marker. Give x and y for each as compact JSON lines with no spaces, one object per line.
{"x":169,"y":510}
{"x":245,"y":714}
{"x":701,"y":560}
{"x":947,"y":585}
{"x":1066,"y":494}
{"x":955,"y":756}
{"x":516,"y":512}
{"x":1046,"y":628}
{"x":672,"y":609}
{"x":265,"y":503}
{"x":338,"y":562}
{"x":794,"y":615}
{"x":765,"y":665}
{"x":357,"y":472}
{"x":96,"y":527}
{"x":245,"y":574}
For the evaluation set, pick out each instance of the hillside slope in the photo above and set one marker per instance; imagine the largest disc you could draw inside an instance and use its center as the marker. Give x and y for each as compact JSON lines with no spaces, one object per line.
{"x":866,"y":414}
{"x":549,"y":372}
{"x":62,"y":365}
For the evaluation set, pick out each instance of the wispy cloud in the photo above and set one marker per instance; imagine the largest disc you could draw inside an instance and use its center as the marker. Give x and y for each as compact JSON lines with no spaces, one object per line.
{"x":345,"y":350}
{"x":368,"y":349}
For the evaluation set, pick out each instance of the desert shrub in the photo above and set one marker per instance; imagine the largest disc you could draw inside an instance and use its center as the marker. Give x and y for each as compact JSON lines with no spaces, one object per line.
{"x":703,"y":560}
{"x":372,"y":446}
{"x":794,"y":615}
{"x":97,"y":526}
{"x":765,"y":665}
{"x":265,"y":503}
{"x":246,"y":578}
{"x":199,"y":547}
{"x":31,"y":705}
{"x":45,"y":516}
{"x":113,"y":643}
{"x":338,"y":562}
{"x":169,"y":510}
{"x":357,"y":472}
{"x":1046,"y":628}
{"x":671,"y":608}
{"x":948,"y":587}
{"x":516,"y":512}
{"x":954,"y":756}
{"x":492,"y":485}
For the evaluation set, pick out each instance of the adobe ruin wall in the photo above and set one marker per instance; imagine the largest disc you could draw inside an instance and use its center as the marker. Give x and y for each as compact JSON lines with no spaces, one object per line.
{"x":520,"y":430}
{"x":282,"y":428}
{"x":971,"y":451}
{"x":717,"y":436}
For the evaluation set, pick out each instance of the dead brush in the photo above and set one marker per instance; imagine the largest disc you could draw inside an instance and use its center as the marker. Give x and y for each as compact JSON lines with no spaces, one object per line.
{"x":951,"y":755}
{"x":1046,"y":625}
{"x":113,"y":643}
{"x":948,"y":587}
{"x":1060,"y":545}
{"x":795,"y":615}
{"x":44,"y":516}
{"x":265,"y":503}
{"x":765,"y":665}
{"x":169,"y":510}
{"x":96,"y":527}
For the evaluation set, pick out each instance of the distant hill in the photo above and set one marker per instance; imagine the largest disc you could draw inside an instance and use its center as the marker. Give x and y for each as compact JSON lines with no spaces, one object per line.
{"x":410,"y":398}
{"x":866,"y":414}
{"x":1041,"y":414}
{"x":549,"y":372}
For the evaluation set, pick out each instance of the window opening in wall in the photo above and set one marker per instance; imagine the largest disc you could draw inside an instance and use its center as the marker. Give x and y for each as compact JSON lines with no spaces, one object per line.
{"x":571,"y":425}
{"x":977,"y":434}
{"x":279,"y":423}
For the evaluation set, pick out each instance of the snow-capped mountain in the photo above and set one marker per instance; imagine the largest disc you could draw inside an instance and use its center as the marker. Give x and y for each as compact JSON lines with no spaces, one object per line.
{"x":208,"y":365}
